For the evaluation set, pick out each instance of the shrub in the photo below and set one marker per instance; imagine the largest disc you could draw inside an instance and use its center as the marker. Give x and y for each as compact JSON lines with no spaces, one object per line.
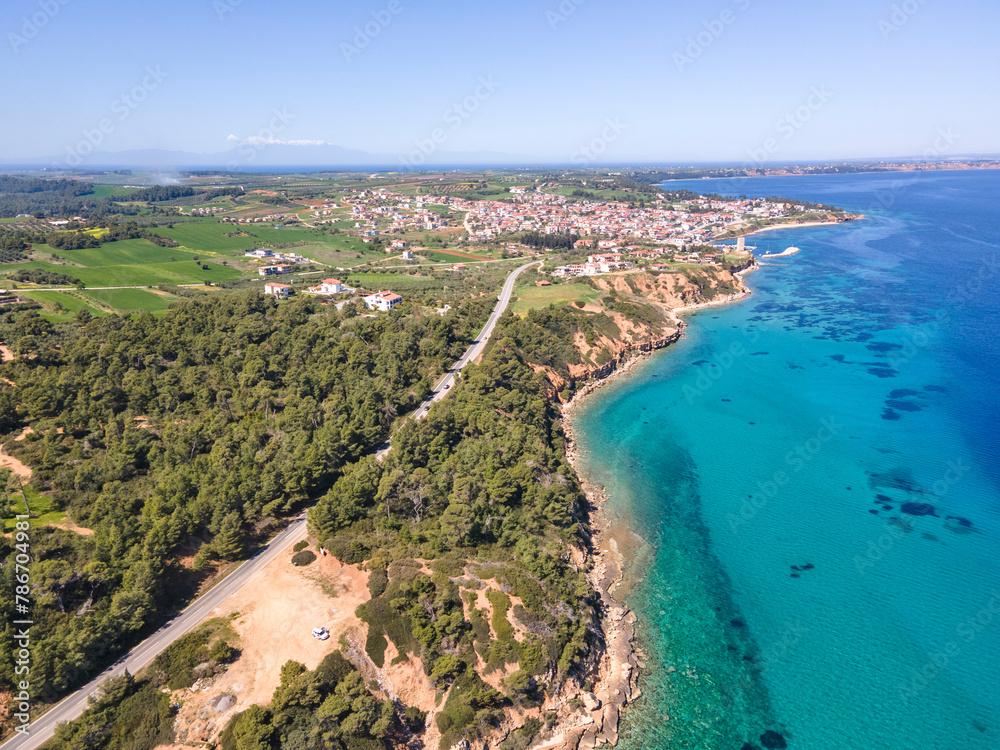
{"x":377,"y":582}
{"x":301,"y":559}
{"x":299,"y":546}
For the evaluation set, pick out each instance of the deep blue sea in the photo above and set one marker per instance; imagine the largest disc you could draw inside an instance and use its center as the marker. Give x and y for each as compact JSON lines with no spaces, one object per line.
{"x":816,"y":474}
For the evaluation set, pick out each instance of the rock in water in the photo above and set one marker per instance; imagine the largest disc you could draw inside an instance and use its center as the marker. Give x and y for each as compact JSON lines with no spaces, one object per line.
{"x":772,"y":740}
{"x":918,"y":509}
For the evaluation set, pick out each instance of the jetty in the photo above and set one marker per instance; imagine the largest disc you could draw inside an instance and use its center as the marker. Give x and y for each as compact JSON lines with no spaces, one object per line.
{"x":785,"y":254}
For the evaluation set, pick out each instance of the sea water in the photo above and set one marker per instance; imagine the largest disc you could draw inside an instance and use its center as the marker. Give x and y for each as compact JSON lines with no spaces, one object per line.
{"x":816,"y":473}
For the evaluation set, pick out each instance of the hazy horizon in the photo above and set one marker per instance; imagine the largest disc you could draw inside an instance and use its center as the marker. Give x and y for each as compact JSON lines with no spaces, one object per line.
{"x":576,"y":82}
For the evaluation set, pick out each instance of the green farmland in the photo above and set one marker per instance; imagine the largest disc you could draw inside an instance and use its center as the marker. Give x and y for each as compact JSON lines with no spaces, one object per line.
{"x":535,"y":297}
{"x":132,"y":263}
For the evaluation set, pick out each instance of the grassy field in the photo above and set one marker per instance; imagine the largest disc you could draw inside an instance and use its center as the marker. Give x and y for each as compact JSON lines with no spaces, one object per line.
{"x":209,"y":236}
{"x":40,"y":505}
{"x":395,"y":282}
{"x":71,"y":303}
{"x":132,"y":299}
{"x":536,"y":297}
{"x":108,"y":191}
{"x":132,"y":263}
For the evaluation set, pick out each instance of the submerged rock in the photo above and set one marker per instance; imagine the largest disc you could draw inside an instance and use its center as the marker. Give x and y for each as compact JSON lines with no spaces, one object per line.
{"x":918,"y":509}
{"x":772,"y":740}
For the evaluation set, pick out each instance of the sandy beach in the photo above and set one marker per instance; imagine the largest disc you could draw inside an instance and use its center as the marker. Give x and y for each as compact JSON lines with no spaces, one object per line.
{"x":776,"y":227}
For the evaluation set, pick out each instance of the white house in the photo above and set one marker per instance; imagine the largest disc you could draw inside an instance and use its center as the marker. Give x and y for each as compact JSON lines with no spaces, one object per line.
{"x":331,"y":286}
{"x":383,"y":301}
{"x":281,"y":291}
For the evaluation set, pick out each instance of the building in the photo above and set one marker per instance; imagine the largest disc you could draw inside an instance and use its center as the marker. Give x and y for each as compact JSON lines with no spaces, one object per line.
{"x":383,"y":301}
{"x":281,"y":291}
{"x":274,"y":270}
{"x":331,"y":286}
{"x":407,"y":255}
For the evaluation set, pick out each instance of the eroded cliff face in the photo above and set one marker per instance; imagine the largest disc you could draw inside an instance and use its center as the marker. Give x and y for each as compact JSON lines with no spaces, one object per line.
{"x":663,"y":296}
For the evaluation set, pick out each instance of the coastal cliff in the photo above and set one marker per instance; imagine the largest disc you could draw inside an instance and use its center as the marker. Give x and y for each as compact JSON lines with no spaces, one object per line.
{"x":590,"y":718}
{"x":638,"y":313}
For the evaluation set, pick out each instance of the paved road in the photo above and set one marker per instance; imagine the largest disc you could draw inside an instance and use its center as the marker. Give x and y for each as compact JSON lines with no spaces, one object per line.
{"x":42,"y":729}
{"x":73,"y":705}
{"x":445,"y":384}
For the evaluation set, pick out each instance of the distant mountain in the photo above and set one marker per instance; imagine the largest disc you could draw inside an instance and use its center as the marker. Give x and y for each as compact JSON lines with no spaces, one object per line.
{"x":251,"y":158}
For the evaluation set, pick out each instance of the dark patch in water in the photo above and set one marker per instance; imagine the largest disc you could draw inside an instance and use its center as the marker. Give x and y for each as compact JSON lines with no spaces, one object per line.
{"x":753,"y":423}
{"x":886,"y":507}
{"x":884,"y":499}
{"x":891,"y":415}
{"x":903,"y":393}
{"x":726,"y":400}
{"x":759,"y":354}
{"x":899,"y":479}
{"x":882,"y":372}
{"x":918,"y":509}
{"x":748,"y":746}
{"x":961,"y":521}
{"x":904,"y":405}
{"x":929,"y":537}
{"x":736,"y":623}
{"x":795,"y":575}
{"x":772,"y":740}
{"x":882,"y":346}
{"x":936,"y":388}
{"x":699,"y":363}
{"x":873,"y":512}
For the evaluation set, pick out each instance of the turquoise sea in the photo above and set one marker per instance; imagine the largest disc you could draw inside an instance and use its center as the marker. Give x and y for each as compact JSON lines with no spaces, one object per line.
{"x":816,"y":473}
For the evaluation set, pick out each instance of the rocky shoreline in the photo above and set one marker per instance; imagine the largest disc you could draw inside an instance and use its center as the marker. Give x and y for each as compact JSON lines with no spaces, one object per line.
{"x":617,"y":680}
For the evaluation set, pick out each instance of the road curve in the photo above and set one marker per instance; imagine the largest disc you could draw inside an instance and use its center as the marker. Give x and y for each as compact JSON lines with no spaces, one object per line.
{"x":42,"y":729}
{"x":478,"y":346}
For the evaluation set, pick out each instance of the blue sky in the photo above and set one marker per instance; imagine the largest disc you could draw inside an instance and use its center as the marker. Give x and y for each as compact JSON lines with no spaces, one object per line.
{"x":727,"y":80}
